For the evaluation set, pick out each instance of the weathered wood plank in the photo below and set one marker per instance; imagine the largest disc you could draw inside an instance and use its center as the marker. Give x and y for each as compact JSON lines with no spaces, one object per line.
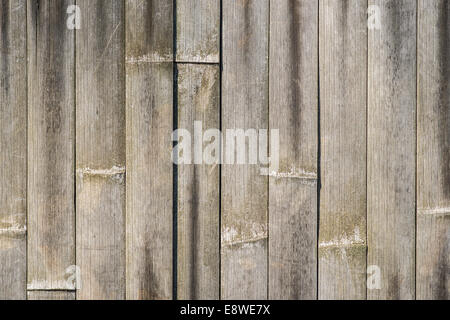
{"x":100,"y":148}
{"x":433,"y":156}
{"x":51,"y":133}
{"x":51,"y":295}
{"x":198,"y":186}
{"x":198,"y":31}
{"x":13,"y":149}
{"x":149,"y":92}
{"x":244,"y":190}
{"x":149,"y":31}
{"x":391,"y":148}
{"x":343,"y":87}
{"x":293,"y":110}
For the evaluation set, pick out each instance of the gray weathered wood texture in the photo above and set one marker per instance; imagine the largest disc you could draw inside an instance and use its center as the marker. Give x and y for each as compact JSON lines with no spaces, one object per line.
{"x":149,"y":30}
{"x":51,"y":138}
{"x":51,"y":295}
{"x":100,"y":150}
{"x":149,"y":100}
{"x":293,"y":110}
{"x":433,"y":151}
{"x":198,"y":187}
{"x":198,"y":31}
{"x":357,"y":89}
{"x":13,"y":149}
{"x":244,"y":195}
{"x":391,"y":148}
{"x":343,"y":86}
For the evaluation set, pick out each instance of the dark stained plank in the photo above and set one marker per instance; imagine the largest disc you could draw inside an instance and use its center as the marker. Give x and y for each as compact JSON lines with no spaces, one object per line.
{"x":198,"y":186}
{"x":293,"y":110}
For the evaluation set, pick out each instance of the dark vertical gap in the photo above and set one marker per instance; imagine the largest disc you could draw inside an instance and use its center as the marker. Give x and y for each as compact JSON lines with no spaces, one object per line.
{"x":75,"y":152}
{"x":367,"y":133}
{"x":268,"y":146}
{"x":26,"y":152}
{"x":415,"y":196}
{"x":220,"y":149}
{"x":174,"y":166}
{"x":318,"y":151}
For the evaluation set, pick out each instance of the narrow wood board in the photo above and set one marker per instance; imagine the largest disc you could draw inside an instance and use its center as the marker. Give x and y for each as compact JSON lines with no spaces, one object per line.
{"x":13,"y":149}
{"x":391,"y":149}
{"x":433,"y":151}
{"x":343,"y":115}
{"x":244,"y":191}
{"x":100,"y":150}
{"x":149,"y":105}
{"x":51,"y":139}
{"x":198,"y":185}
{"x":198,"y":31}
{"x":293,"y":110}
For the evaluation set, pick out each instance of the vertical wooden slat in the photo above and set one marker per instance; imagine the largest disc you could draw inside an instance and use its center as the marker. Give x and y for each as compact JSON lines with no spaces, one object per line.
{"x":293,"y":110}
{"x":391,"y":148}
{"x":198,"y":30}
{"x":149,"y":92}
{"x":51,"y":106}
{"x":343,"y":87}
{"x":13,"y":149}
{"x":51,"y":295}
{"x":244,"y":190}
{"x":433,"y":156}
{"x":100,"y":150}
{"x":198,"y":187}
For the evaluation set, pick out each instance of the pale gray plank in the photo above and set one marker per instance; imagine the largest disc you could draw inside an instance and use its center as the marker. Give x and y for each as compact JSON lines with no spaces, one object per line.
{"x":51,"y":133}
{"x":13,"y":149}
{"x":391,"y":149}
{"x":149,"y":92}
{"x":244,"y":190}
{"x":293,"y":110}
{"x":198,"y":30}
{"x":433,"y":154}
{"x":100,"y":148}
{"x":198,"y":187}
{"x":343,"y":94}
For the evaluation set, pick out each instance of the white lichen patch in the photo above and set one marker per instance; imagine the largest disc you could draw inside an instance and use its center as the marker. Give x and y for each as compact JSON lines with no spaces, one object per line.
{"x":149,"y":58}
{"x":438,"y":212}
{"x":344,"y":241}
{"x":306,"y":177}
